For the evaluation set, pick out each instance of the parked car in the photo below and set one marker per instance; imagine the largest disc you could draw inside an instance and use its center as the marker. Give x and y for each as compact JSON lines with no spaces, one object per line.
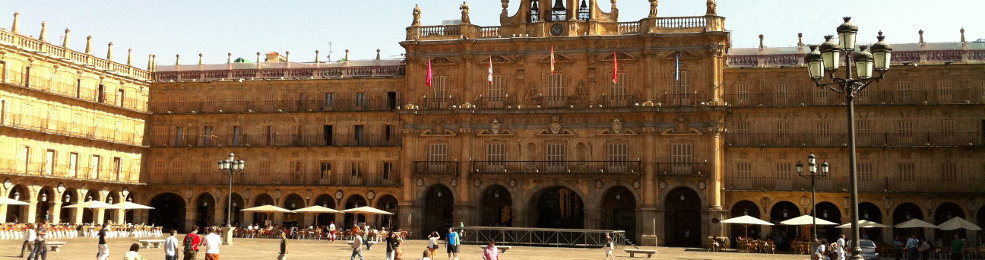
{"x":868,"y":249}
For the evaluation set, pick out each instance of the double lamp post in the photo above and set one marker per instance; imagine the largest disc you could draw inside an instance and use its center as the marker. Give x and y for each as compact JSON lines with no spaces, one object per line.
{"x":813,"y":173}
{"x":828,"y":59}
{"x":230,"y":166}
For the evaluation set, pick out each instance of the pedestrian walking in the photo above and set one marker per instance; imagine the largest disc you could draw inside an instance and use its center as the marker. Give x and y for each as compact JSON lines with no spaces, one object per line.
{"x":491,"y":252}
{"x":103,"y":248}
{"x":609,"y":247}
{"x":283,"y":246}
{"x":452,"y":243}
{"x":40,"y":246}
{"x":957,"y":248}
{"x":171,"y":246}
{"x":132,"y":254}
{"x":211,"y":243}
{"x":392,"y":245}
{"x":331,"y":231}
{"x":911,"y":247}
{"x":357,"y":244}
{"x":29,"y":237}
{"x":191,"y":242}
{"x":433,"y":242}
{"x":840,"y":249}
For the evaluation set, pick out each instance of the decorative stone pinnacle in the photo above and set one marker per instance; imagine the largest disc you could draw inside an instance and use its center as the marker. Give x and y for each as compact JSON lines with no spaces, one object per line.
{"x":44,"y":29}
{"x":65,"y":41}
{"x":761,"y":46}
{"x":89,"y":44}
{"x":13,"y":28}
{"x":800,"y":40}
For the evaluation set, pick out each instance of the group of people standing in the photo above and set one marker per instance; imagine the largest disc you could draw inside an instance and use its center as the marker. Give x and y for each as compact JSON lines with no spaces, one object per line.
{"x":34,"y":240}
{"x":915,"y":248}
{"x":833,"y":251}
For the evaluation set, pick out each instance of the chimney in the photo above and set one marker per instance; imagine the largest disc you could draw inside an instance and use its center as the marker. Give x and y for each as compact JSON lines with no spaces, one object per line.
{"x":199,"y":59}
{"x":65,"y":41}
{"x":800,"y":40}
{"x":316,"y":56}
{"x":13,"y":28}
{"x":177,"y":58}
{"x":761,"y":42}
{"x":130,"y":57}
{"x":922,"y":43}
{"x":229,"y":58}
{"x":109,"y":51}
{"x":44,"y":30}
{"x":347,"y":55}
{"x":89,"y":44}
{"x":377,"y":54}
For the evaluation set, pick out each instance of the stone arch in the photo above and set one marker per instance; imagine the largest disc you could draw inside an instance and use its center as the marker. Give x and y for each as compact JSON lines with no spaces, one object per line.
{"x":109,"y":215}
{"x":325,"y":200}
{"x":682,"y":217}
{"x":496,"y":206}
{"x":168,"y":211}
{"x":439,"y":203}
{"x":18,"y":214}
{"x":291,"y":202}
{"x":46,"y":202}
{"x":944,"y":212}
{"x":353,"y":201}
{"x":205,"y":210}
{"x":88,"y":215}
{"x":261,"y":200}
{"x":557,"y":206}
{"x":780,"y":211}
{"x":129,"y":215}
{"x":664,"y":196}
{"x":830,"y":212}
{"x":388,"y":203}
{"x":903,"y":212}
{"x":869,"y":211}
{"x":745,"y":208}
{"x":238,"y":204}
{"x":619,"y":205}
{"x":69,"y":197}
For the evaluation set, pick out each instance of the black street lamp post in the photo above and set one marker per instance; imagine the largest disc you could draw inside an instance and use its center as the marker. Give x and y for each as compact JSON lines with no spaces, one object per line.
{"x":813,"y":173}
{"x":827,"y":59}
{"x":231,"y":166}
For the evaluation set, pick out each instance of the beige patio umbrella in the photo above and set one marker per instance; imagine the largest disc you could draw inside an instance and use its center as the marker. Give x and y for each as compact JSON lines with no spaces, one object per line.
{"x":9,"y":201}
{"x":746,"y":221}
{"x":92,"y":204}
{"x":958,"y":223}
{"x":367,"y":210}
{"x":864,"y":224}
{"x":126,"y":205}
{"x":269,"y":209}
{"x":806,"y":220}
{"x":915,"y":223}
{"x":316,"y":209}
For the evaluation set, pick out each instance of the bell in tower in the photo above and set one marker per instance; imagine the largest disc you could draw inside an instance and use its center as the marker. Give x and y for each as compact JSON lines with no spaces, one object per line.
{"x":584,"y":14}
{"x":534,"y":11}
{"x":558,"y":12}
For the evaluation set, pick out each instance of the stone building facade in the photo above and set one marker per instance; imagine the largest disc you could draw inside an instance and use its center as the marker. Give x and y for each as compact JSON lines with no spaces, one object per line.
{"x":654,"y":126}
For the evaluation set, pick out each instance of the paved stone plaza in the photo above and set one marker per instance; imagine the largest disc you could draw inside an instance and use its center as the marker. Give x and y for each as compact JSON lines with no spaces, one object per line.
{"x":311,"y":249}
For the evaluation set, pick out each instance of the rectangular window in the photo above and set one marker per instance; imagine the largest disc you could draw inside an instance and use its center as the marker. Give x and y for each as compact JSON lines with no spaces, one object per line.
{"x":943,"y":91}
{"x":26,"y":155}
{"x":682,"y":88}
{"x":902,"y":93}
{"x":949,"y":172}
{"x":120,"y":97}
{"x":556,"y":157}
{"x":820,"y":96}
{"x":783,"y":171}
{"x":865,"y":172}
{"x":360,"y":99}
{"x":780,"y":93}
{"x":117,"y":167}
{"x":740,"y":127}
{"x":49,"y":162}
{"x":207,"y":136}
{"x":329,"y":99}
{"x":906,"y":172}
{"x":743,"y":170}
{"x":496,"y":90}
{"x":387,"y":170}
{"x":94,"y":168}
{"x":327,"y":134}
{"x":3,"y":112}
{"x":496,"y":157}
{"x":438,"y":152}
{"x":101,"y":94}
{"x":904,"y":128}
{"x":439,"y":87}
{"x":391,"y":100}
{"x":358,"y":135}
{"x":326,"y":170}
{"x":73,"y":165}
{"x":617,"y":154}
{"x":742,"y":93}
{"x":821,"y":129}
{"x":78,"y":88}
{"x":237,"y":135}
{"x":177,"y":136}
{"x":556,"y":94}
{"x":947,"y":128}
{"x":356,"y":170}
{"x":268,"y":135}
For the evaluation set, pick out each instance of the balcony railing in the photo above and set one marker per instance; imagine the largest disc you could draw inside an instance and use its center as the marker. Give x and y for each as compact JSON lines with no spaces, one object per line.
{"x":356,"y":69}
{"x":557,"y":167}
{"x":436,"y":167}
{"x":871,"y":97}
{"x":280,"y":178}
{"x":35,"y":45}
{"x":58,"y":127}
{"x":370,"y":104}
{"x":683,"y":169}
{"x":274,"y":140}
{"x":621,"y":100}
{"x":862,"y":139}
{"x":65,"y":171}
{"x":841,"y":184}
{"x":682,"y":22}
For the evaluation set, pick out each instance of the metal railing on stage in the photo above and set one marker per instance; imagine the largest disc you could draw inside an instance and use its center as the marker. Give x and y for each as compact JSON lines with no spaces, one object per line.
{"x":541,"y":236}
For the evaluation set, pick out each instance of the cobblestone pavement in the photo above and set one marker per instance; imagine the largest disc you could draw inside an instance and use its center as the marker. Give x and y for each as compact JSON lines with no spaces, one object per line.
{"x":85,"y":248}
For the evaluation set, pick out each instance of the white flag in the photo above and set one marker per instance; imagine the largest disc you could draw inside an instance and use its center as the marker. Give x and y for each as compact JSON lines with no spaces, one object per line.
{"x":490,"y":71}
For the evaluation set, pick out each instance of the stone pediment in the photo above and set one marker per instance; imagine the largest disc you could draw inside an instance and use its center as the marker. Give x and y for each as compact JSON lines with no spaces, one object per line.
{"x":555,"y":128}
{"x":495,"y":59}
{"x":438,"y":132}
{"x":617,"y":128}
{"x":622,"y":57}
{"x":684,"y":55}
{"x":495,"y":129}
{"x":442,"y":61}
{"x":558,"y":58}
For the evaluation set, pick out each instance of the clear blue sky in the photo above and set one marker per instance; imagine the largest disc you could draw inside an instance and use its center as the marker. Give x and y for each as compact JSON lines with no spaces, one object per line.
{"x":243,"y":27}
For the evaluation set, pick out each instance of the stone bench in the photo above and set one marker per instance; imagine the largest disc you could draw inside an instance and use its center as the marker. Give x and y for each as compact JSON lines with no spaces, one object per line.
{"x":55,"y":245}
{"x":502,"y":249}
{"x":633,"y":252}
{"x":147,"y":243}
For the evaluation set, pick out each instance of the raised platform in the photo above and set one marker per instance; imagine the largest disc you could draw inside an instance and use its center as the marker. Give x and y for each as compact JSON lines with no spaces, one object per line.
{"x":540,"y":236}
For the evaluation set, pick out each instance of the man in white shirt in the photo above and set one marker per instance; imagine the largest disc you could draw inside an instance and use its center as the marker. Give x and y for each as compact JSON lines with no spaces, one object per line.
{"x":357,"y":243}
{"x":29,"y":237}
{"x":171,"y":247}
{"x":331,"y":231}
{"x":211,"y":242}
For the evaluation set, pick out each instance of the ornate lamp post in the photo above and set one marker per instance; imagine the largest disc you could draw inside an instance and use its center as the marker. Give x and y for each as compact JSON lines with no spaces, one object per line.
{"x":231,"y":166}
{"x":828,"y":59}
{"x":813,"y":174}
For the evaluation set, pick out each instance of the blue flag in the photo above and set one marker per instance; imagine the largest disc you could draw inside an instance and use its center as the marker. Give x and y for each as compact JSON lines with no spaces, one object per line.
{"x":677,"y":68}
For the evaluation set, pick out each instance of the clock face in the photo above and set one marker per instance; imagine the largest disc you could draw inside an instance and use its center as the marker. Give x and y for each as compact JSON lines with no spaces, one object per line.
{"x":557,"y":29}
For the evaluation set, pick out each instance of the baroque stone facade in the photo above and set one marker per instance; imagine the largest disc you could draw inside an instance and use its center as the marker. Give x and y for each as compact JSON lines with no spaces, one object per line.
{"x":656,"y":127}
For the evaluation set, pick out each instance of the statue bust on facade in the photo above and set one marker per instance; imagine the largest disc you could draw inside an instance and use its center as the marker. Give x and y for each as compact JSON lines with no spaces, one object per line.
{"x":417,"y":16}
{"x":465,"y":13}
{"x":711,"y":8}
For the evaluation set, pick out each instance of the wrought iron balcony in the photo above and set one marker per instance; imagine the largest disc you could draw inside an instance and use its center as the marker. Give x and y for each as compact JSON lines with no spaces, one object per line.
{"x":557,"y":167}
{"x":925,"y":139}
{"x":841,"y":184}
{"x":274,"y":140}
{"x":436,"y":167}
{"x":368,"y":104}
{"x":886,"y":97}
{"x":683,"y":169}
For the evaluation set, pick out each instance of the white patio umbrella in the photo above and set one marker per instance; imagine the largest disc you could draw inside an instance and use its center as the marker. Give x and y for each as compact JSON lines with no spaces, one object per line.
{"x":915,"y":223}
{"x":806,"y":220}
{"x":126,"y":205}
{"x":9,"y":201}
{"x":269,"y":209}
{"x":958,"y":223}
{"x":864,"y":224}
{"x":316,"y":209}
{"x":367,"y":210}
{"x":92,"y":204}
{"x":746,"y":221}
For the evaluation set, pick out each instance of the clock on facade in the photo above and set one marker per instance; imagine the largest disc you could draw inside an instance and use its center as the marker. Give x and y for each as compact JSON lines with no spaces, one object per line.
{"x":557,"y":29}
